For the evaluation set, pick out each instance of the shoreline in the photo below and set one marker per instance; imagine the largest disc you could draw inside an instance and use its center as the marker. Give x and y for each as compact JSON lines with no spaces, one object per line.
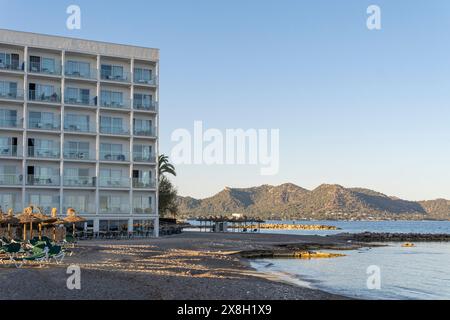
{"x":187,"y":266}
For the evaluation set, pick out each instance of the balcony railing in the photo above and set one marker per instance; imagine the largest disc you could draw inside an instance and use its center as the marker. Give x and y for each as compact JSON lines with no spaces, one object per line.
{"x":79,"y":127}
{"x":114,"y":130}
{"x":9,"y":151}
{"x":142,"y":157}
{"x":124,"y":77}
{"x":34,"y":95}
{"x":10,"y":179}
{"x":143,"y":210}
{"x":78,"y":155}
{"x":110,"y":182}
{"x":143,"y":183}
{"x":114,"y":156}
{"x":81,"y":101}
{"x":10,"y":123}
{"x":146,"y":106}
{"x":151,"y":132}
{"x":114,"y":210}
{"x":33,"y":180}
{"x":44,"y":125}
{"x":148,"y":81}
{"x":47,"y":153}
{"x":79,"y":181}
{"x":11,"y":95}
{"x":37,"y":68}
{"x":89,"y":209}
{"x":12,"y":66}
{"x":91,"y":75}
{"x":124,"y":104}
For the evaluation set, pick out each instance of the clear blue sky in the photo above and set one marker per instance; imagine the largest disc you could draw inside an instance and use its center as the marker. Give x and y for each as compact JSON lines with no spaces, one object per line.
{"x":354,"y":107}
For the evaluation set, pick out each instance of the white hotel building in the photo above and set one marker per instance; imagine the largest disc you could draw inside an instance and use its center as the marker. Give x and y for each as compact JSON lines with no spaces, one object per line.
{"x":79,"y":129}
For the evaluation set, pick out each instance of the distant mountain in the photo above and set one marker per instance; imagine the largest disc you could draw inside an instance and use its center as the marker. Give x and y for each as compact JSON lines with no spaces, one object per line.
{"x":290,"y":201}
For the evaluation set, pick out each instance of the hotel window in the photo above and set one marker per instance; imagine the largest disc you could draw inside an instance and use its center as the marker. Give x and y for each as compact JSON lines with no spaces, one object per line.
{"x":111,"y":151}
{"x":38,"y":64}
{"x":8,"y":146}
{"x":111,"y":72}
{"x":142,"y":127}
{"x":76,"y":122}
{"x":112,"y":98}
{"x":142,"y":75}
{"x":42,"y":92}
{"x":142,"y":204}
{"x":111,"y":178}
{"x":76,"y":95}
{"x":42,"y":120}
{"x":142,"y":152}
{"x":111,"y":125}
{"x":46,"y":202}
{"x":9,"y":61}
{"x":78,"y":68}
{"x":76,"y":150}
{"x":81,"y":203}
{"x":114,"y":203}
{"x":142,"y":101}
{"x":42,"y":148}
{"x":8,"y":118}
{"x":7,"y":200}
{"x":9,"y":175}
{"x":8,"y":89}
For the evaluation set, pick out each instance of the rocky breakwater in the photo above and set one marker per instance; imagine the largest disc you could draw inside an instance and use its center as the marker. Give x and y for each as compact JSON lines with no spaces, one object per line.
{"x":275,"y":226}
{"x":273,"y":254}
{"x":397,"y":237}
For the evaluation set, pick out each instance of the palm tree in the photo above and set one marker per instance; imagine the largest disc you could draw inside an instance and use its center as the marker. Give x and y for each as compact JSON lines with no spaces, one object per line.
{"x":164,"y":166}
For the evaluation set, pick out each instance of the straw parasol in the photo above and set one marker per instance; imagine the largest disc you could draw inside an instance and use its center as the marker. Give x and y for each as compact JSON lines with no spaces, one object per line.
{"x":73,"y":219}
{"x":10,"y":220}
{"x":54,"y":221}
{"x":25,"y":218}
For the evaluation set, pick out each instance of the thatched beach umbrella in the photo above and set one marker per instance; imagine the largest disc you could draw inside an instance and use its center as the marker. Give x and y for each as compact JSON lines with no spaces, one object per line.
{"x":54,"y":221}
{"x":9,"y":220}
{"x":25,"y":218}
{"x":73,"y":219}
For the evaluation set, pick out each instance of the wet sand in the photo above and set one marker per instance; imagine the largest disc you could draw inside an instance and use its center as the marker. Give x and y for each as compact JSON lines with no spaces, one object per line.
{"x":187,"y":266}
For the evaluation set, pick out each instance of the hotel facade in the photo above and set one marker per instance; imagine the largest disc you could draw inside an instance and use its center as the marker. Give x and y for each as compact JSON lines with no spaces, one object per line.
{"x":79,"y":129}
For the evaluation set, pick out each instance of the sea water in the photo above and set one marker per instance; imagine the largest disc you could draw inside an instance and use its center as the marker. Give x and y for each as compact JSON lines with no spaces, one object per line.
{"x":421,"y":272}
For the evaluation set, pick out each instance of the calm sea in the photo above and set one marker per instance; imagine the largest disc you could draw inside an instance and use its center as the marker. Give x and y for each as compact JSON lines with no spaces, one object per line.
{"x":421,"y":272}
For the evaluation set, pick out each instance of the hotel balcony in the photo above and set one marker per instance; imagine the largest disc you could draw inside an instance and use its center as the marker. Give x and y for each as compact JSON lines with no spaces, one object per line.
{"x":143,"y":157}
{"x":79,"y":127}
{"x":110,"y":182}
{"x":149,"y":132}
{"x":16,"y":66}
{"x":10,"y":123}
{"x":34,"y":95}
{"x":139,"y":104}
{"x":76,"y":154}
{"x":80,"y":209}
{"x":11,"y":94}
{"x":124,"y":209}
{"x":114,"y":156}
{"x":54,"y":125}
{"x":10,"y":179}
{"x":89,"y":74}
{"x":85,"y":182}
{"x":47,"y":181}
{"x":123,"y":77}
{"x":10,"y":151}
{"x":82,"y":101}
{"x":40,"y":67}
{"x":140,"y":183}
{"x":139,"y":210}
{"x":116,"y":104}
{"x":47,"y":153}
{"x":114,"y":130}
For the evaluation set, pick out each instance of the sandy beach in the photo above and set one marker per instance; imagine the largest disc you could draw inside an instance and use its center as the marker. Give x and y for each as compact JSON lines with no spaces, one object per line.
{"x":187,"y":266}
